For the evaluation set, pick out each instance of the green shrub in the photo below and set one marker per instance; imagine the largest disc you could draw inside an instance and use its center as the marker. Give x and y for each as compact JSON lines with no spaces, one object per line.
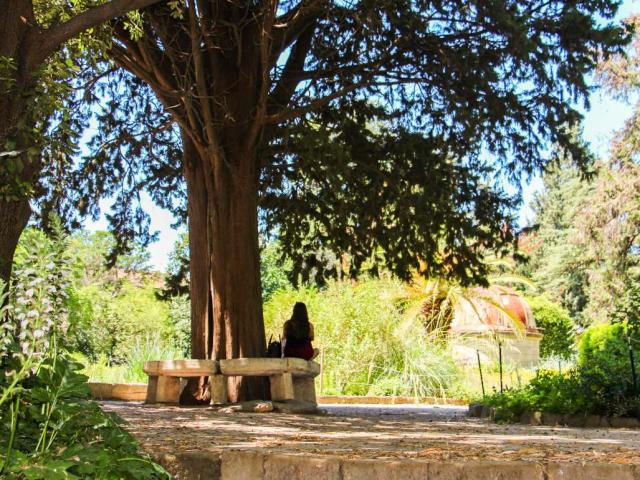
{"x":48,"y":427}
{"x":548,"y":391}
{"x":605,"y":369}
{"x":112,"y":317}
{"x":558,"y":332}
{"x":510,"y":404}
{"x":556,"y":392}
{"x":600,"y":384}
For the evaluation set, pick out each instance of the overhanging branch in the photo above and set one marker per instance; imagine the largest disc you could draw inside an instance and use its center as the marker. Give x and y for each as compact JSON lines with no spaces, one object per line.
{"x":51,"y":39}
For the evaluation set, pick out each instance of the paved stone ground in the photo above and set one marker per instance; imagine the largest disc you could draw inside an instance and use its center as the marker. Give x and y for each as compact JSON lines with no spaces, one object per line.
{"x":389,"y":432}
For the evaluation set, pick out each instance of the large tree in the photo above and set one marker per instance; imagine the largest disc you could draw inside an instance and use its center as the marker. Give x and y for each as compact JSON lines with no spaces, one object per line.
{"x":34,"y":77}
{"x":585,"y":251}
{"x":378,"y":128}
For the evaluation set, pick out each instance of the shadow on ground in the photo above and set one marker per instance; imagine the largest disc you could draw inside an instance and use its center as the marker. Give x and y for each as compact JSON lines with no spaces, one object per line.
{"x":366,"y":432}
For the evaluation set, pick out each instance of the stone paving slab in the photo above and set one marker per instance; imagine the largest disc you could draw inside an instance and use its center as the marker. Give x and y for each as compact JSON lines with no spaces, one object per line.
{"x":374,"y":442}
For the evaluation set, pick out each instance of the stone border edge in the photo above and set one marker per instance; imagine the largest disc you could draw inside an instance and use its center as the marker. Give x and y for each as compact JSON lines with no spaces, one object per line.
{"x":263,"y":465}
{"x":549,"y":419}
{"x":136,"y":392}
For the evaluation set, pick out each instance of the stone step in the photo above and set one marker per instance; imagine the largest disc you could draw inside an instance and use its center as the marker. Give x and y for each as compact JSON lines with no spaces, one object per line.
{"x":264,"y":465}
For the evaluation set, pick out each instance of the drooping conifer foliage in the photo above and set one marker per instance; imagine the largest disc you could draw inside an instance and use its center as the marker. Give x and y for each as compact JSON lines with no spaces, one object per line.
{"x":38,"y":128}
{"x":381,"y":129}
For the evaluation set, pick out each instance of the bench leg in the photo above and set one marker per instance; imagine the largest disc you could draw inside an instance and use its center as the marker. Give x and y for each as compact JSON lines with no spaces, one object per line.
{"x":281,"y":387}
{"x":218,"y":389}
{"x":304,"y":389}
{"x":152,"y":389}
{"x":163,"y":390}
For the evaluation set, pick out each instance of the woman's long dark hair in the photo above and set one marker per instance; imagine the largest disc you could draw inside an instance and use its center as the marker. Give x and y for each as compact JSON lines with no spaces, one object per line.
{"x":299,"y":323}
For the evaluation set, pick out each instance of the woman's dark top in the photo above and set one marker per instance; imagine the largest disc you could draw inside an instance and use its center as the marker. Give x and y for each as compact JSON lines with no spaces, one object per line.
{"x":298,"y":343}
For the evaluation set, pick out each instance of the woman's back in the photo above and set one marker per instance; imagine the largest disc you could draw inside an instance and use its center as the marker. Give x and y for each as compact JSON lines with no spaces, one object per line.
{"x":298,"y":334}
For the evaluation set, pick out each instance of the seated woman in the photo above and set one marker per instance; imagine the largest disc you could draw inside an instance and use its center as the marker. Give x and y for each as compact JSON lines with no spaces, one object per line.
{"x":298,"y":334}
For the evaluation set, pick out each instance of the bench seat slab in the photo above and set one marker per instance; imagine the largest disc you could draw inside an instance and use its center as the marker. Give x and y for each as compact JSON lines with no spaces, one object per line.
{"x":269,"y":366}
{"x":181,"y":368}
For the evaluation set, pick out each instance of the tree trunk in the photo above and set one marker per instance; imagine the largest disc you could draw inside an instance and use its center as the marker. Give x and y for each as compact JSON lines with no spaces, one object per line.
{"x":18,"y":175}
{"x":226,"y":294}
{"x":16,"y":20}
{"x":238,"y":325}
{"x":199,"y":269}
{"x":14,"y":216}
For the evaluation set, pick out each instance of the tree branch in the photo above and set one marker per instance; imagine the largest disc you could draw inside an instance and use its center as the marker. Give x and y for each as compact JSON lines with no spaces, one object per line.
{"x":51,"y":39}
{"x":289,"y":27}
{"x":294,"y":68}
{"x":320,"y":102}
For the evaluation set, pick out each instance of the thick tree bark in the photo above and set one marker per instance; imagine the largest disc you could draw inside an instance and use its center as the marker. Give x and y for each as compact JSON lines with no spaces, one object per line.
{"x":199,"y":257}
{"x":14,"y":216}
{"x":238,"y":325}
{"x":199,"y":268}
{"x":14,"y":205}
{"x":226,"y":294}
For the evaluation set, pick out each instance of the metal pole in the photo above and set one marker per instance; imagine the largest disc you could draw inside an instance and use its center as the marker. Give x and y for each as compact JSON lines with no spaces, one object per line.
{"x":321,"y":370}
{"x":632,"y":360}
{"x":480,"y":370}
{"x":500,"y":361}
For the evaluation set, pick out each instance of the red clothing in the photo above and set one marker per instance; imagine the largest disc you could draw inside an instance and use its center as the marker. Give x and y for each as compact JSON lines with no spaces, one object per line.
{"x":299,"y":351}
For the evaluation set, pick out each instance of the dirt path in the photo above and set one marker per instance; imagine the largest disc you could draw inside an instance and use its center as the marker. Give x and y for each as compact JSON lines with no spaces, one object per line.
{"x":360,"y":431}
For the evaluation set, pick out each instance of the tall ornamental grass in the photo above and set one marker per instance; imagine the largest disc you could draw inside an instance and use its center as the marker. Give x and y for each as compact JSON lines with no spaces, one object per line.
{"x":370,"y":345}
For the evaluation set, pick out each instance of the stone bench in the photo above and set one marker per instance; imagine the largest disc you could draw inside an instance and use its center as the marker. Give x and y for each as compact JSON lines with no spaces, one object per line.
{"x":289,"y":378}
{"x":165,"y":378}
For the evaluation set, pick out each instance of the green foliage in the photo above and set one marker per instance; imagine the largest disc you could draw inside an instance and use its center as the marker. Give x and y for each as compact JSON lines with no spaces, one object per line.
{"x":369,"y":345}
{"x":274,"y":273}
{"x":180,"y":319}
{"x":144,"y":350}
{"x":556,"y":264}
{"x":112,"y":306}
{"x":619,"y":76}
{"x":132,"y":368}
{"x":92,"y":252}
{"x":558,"y":330}
{"x":601,"y":383}
{"x":605,"y":369}
{"x":112,"y":317}
{"x":586,"y":252}
{"x":628,"y":308}
{"x":548,"y":391}
{"x":390,"y":182}
{"x":42,"y":99}
{"x":48,"y":428}
{"x":177,"y":279}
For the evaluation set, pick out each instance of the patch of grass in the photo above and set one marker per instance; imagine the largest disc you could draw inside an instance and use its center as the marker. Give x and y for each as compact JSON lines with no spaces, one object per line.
{"x":150,"y":348}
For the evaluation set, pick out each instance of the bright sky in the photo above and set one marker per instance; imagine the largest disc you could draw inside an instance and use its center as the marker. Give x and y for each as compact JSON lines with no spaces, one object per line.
{"x":605,"y":117}
{"x":601,"y":121}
